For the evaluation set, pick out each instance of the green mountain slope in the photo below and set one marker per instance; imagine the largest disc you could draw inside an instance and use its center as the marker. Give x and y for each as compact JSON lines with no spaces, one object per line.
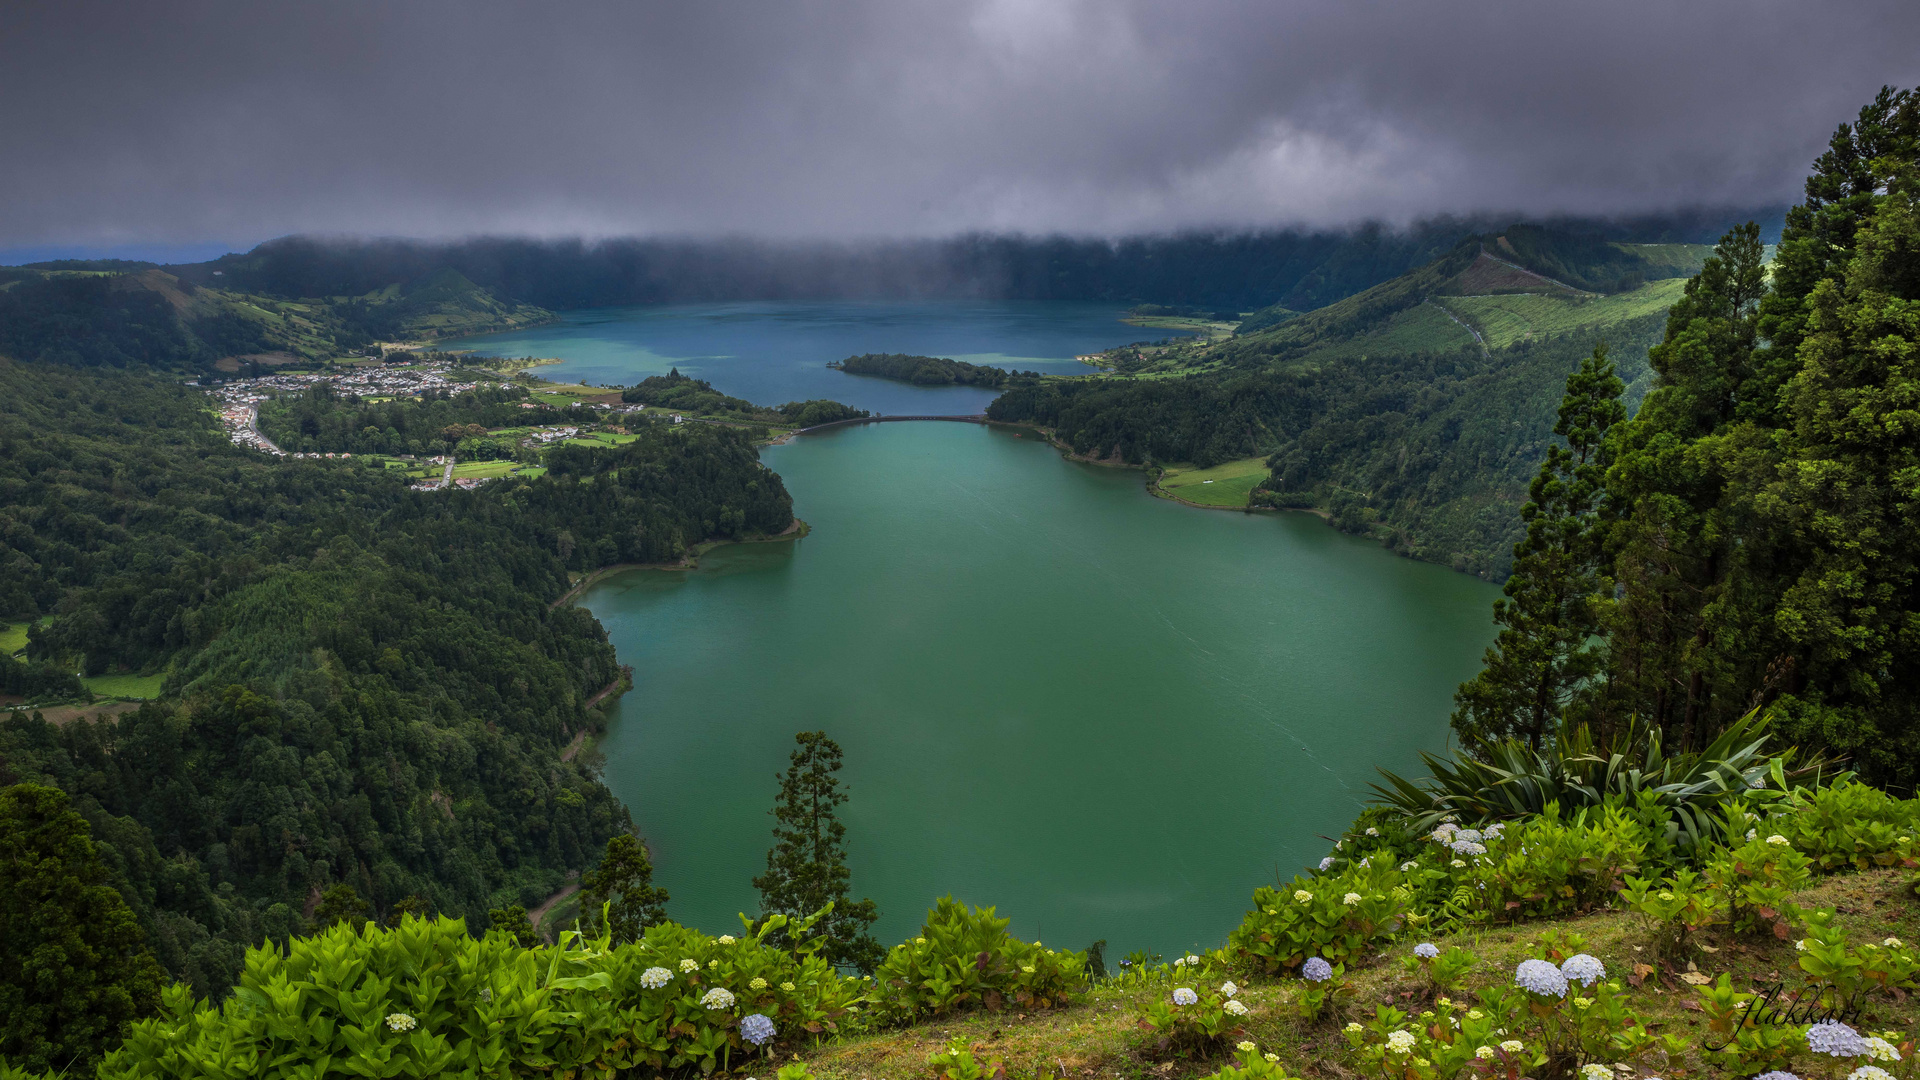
{"x":1414,"y":411}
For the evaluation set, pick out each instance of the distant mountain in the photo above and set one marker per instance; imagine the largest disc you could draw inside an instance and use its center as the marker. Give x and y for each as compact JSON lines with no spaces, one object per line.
{"x":137,"y":314}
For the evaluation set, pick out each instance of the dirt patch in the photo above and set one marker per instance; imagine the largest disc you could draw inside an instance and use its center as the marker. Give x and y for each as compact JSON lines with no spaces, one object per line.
{"x":1489,"y":275}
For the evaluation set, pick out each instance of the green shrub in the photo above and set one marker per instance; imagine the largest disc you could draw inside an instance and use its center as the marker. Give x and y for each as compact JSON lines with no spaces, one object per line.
{"x":1340,"y":918}
{"x":1441,"y":1043}
{"x":1674,"y":908}
{"x":1195,"y":1022}
{"x":1545,"y":866}
{"x":964,"y":958}
{"x":1253,"y":1066}
{"x":1444,"y":971}
{"x":1757,"y":878}
{"x":427,"y":999}
{"x":1588,"y":1024}
{"x":1849,"y":824}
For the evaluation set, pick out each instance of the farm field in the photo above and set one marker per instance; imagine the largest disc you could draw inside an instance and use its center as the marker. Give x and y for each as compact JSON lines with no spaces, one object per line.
{"x":1504,"y":320}
{"x":130,"y":687}
{"x":13,"y":638}
{"x":1226,"y":485}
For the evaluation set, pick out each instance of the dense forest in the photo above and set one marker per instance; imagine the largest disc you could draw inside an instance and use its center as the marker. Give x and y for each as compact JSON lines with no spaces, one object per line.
{"x":366,"y":685}
{"x":931,"y":370}
{"x":1747,"y":538}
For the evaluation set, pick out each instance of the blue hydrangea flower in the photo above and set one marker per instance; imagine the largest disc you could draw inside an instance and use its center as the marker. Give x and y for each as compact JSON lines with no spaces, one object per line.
{"x":1540,"y":977}
{"x":1776,"y":1075}
{"x":1468,"y":847}
{"x":1185,"y":996}
{"x":756,"y":1029}
{"x":1583,"y":969}
{"x":1326,"y":863}
{"x":1835,"y":1039}
{"x":1426,"y":950}
{"x":1316,"y":970}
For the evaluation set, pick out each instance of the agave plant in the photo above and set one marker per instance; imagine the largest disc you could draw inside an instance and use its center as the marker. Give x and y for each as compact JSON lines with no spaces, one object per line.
{"x":1508,"y":779}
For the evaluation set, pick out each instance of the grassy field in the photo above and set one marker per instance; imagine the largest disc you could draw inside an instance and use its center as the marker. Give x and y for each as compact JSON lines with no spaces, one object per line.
{"x":603,"y":438}
{"x":13,"y":638}
{"x":137,"y":687}
{"x":1222,"y":485}
{"x":1100,"y":1037}
{"x":479,"y":469}
{"x":1507,"y":319}
{"x":1421,"y":328}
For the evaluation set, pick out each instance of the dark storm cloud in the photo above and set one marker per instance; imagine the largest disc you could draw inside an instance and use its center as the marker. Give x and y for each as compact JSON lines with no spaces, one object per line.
{"x":191,"y":121}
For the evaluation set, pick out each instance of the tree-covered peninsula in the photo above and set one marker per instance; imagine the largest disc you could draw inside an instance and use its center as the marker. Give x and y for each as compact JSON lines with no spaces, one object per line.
{"x":931,"y":370}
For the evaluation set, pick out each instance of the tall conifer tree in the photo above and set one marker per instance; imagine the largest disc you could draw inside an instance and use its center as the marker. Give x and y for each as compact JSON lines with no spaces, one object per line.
{"x":1548,"y":615}
{"x":623,"y":885}
{"x":807,"y":866}
{"x":74,"y":967}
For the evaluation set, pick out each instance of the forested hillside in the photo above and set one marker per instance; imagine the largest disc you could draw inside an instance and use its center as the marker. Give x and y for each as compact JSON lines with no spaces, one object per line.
{"x":126,"y":314}
{"x":366,"y":685}
{"x":1414,"y":411}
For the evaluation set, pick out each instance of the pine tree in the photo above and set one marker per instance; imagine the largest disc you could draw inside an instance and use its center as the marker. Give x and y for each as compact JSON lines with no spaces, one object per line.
{"x":75,"y":971}
{"x":512,"y":921}
{"x":340,"y":903}
{"x":807,"y":867}
{"x":1549,"y":614}
{"x":623,"y":884}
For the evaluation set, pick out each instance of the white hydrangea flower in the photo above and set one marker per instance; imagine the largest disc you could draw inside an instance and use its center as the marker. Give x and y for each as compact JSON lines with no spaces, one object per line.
{"x":689,"y":964}
{"x":1468,"y":847}
{"x":1371,"y":831}
{"x":1595,"y":1071}
{"x":1494,"y":830}
{"x":1800,"y":946}
{"x":1366,"y":863}
{"x":1513,"y":1046}
{"x":718,"y":998}
{"x":1835,"y":1039}
{"x":1457,"y":863}
{"x":1408,"y":866}
{"x":1191,"y":959}
{"x":1185,"y":996}
{"x":1484,"y":1053}
{"x":1880,"y":1049}
{"x":1753,"y":834}
{"x":1271,"y":1057}
{"x":1228,"y":988}
{"x":1246,"y":1047}
{"x":1583,"y":969}
{"x":1303,"y":896}
{"x":1352,"y":1027}
{"x":726,"y":939}
{"x":1869,"y":1072}
{"x":1179,"y":961}
{"x":1776,"y":838}
{"x":1236,"y":1008}
{"x":1350,"y":899}
{"x":1891,"y":943}
{"x":655,"y":977}
{"x":401,"y":1022}
{"x":1028,"y":968}
{"x":1540,"y":977}
{"x":758,"y":983}
{"x":1400,"y":1042}
{"x":787,"y":986}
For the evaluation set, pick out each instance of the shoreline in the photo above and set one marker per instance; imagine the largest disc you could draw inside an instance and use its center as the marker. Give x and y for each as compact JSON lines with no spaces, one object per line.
{"x":691,"y":561}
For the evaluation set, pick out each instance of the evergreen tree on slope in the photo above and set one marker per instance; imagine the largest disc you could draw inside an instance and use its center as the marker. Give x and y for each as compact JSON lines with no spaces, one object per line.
{"x":1548,"y":615}
{"x":807,"y":866}
{"x":74,"y":966}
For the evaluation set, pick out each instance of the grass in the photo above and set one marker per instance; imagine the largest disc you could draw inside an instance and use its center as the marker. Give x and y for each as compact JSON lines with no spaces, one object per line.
{"x":13,"y":637}
{"x":132,"y":687}
{"x":1421,"y":328}
{"x":478,"y":469}
{"x":1504,"y":320}
{"x":603,"y":438}
{"x":1222,"y":485}
{"x":1099,"y":1036}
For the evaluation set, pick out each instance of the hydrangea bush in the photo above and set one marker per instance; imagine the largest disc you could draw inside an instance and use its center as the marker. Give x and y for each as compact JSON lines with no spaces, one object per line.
{"x":964,"y":958}
{"x":1341,"y":917}
{"x":471,"y":1006}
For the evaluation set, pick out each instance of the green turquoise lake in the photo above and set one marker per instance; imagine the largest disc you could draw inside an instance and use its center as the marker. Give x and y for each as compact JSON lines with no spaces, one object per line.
{"x":1110,"y":715}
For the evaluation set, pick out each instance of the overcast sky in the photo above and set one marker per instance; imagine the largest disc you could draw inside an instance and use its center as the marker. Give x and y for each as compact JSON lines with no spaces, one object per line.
{"x":195,"y":123}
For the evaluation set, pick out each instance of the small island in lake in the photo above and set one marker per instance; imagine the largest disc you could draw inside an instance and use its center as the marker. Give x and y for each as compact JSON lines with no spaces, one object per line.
{"x":931,"y":370}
